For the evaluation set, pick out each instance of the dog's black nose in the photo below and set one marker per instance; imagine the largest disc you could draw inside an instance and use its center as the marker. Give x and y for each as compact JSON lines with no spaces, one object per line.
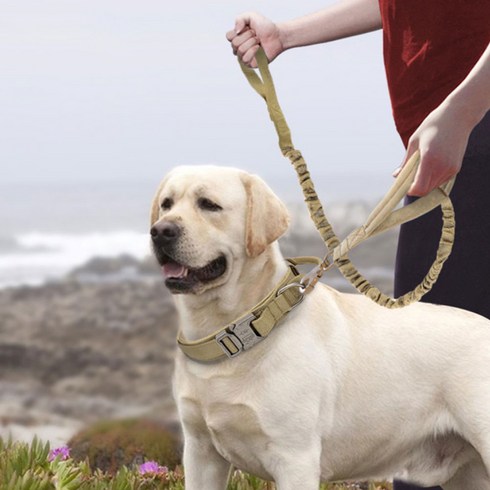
{"x":165,"y":233}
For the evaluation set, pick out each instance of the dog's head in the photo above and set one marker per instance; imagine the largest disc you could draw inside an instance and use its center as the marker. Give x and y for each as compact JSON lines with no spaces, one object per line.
{"x":207,"y":221}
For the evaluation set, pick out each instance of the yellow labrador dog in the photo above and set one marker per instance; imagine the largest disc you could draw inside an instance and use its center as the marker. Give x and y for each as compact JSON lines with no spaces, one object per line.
{"x":341,"y":389}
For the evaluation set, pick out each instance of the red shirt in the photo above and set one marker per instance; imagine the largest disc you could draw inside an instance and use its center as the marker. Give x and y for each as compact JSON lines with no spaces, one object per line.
{"x":429,"y":48}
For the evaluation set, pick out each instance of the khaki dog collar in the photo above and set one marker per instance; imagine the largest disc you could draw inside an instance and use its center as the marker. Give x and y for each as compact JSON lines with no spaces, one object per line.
{"x":254,"y":326}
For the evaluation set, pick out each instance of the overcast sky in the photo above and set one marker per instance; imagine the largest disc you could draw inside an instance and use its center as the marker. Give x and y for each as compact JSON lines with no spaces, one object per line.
{"x":126,"y":89}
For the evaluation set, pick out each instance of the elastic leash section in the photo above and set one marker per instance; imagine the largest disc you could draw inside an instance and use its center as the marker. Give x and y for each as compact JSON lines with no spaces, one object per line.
{"x":382,"y":218}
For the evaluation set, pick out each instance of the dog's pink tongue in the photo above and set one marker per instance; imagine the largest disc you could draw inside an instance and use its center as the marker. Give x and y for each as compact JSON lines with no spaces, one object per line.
{"x":172,"y":269}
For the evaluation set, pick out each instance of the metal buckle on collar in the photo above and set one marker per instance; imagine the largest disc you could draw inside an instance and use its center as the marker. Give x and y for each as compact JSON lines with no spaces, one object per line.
{"x":241,"y":334}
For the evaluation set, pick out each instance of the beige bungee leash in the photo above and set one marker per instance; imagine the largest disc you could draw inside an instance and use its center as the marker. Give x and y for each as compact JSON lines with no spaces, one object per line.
{"x":382,"y":218}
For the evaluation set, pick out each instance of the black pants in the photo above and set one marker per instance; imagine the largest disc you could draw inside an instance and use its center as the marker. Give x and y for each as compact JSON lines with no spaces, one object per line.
{"x":464,"y":278}
{"x":400,"y":485}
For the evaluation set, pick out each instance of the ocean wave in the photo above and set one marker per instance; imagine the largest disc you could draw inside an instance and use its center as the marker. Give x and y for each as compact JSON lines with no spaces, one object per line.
{"x":34,"y":258}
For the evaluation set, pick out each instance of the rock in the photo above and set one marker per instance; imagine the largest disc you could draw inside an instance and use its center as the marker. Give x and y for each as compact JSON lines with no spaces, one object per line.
{"x":84,"y":351}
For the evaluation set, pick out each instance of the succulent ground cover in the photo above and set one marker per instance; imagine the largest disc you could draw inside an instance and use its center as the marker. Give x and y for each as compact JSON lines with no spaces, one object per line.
{"x":37,"y":467}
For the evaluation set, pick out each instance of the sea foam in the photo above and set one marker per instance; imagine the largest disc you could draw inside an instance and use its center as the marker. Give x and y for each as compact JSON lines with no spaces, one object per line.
{"x":40,"y":257}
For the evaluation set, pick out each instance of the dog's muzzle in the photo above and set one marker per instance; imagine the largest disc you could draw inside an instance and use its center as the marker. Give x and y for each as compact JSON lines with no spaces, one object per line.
{"x":179,"y":276}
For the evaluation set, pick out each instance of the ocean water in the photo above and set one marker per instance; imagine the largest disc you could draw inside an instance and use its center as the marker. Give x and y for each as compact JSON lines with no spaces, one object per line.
{"x":36,"y":257}
{"x":48,"y":229}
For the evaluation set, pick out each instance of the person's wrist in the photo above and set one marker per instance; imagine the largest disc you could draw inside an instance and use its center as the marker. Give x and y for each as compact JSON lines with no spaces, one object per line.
{"x":286,"y":36}
{"x":466,"y":107}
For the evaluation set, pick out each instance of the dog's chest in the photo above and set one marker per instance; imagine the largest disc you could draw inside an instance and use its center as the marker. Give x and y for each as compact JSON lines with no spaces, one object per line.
{"x":214,"y":409}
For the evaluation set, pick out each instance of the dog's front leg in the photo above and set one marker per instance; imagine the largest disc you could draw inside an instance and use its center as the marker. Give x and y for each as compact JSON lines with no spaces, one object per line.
{"x":297,"y":471}
{"x":296,"y":478}
{"x":204,"y":468}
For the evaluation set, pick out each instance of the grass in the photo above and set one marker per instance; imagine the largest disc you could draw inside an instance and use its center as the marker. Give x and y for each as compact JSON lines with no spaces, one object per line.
{"x":34,"y":467}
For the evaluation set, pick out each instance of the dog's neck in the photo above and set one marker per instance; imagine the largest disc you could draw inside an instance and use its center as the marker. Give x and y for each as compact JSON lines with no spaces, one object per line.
{"x":253,"y":280}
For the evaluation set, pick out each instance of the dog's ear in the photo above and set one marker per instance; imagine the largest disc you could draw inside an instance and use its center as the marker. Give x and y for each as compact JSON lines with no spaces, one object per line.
{"x":267,"y":217}
{"x":155,"y":205}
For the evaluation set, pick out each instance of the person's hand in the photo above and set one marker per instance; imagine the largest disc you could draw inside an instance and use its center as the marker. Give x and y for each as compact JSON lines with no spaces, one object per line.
{"x":251,"y":31}
{"x":442,"y":139}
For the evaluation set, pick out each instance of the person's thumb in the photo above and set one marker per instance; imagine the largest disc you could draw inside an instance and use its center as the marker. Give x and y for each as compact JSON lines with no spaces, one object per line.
{"x":412,"y":148}
{"x":241,"y":22}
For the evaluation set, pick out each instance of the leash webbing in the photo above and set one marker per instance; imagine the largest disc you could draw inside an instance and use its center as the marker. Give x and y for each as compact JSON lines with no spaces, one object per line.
{"x":382,"y":217}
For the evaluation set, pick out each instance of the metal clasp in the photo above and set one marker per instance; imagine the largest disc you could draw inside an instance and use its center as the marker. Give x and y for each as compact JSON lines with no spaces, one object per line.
{"x":241,"y":334}
{"x":310,"y":280}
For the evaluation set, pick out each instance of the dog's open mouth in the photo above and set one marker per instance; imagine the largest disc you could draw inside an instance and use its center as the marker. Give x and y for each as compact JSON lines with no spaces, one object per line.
{"x":179,"y":278}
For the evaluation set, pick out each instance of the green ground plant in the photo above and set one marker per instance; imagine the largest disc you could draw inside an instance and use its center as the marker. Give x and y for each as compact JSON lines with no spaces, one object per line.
{"x":36,"y":467}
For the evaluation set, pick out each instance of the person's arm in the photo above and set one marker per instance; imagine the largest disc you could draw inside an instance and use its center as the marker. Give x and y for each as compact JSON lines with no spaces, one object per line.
{"x":442,"y":137}
{"x":344,"y":19}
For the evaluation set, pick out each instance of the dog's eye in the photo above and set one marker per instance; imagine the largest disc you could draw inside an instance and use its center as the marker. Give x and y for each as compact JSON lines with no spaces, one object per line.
{"x":167,"y":203}
{"x":208,"y":205}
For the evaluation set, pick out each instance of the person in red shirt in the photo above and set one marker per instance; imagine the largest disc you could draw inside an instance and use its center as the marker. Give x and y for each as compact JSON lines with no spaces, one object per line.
{"x":437,"y":60}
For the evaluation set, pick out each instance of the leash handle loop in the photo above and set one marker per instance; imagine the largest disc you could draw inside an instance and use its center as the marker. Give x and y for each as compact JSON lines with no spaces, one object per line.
{"x":383,"y":217}
{"x":265,"y":88}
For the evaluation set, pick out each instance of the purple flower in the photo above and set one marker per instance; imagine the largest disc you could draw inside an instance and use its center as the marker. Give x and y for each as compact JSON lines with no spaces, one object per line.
{"x":152,"y":467}
{"x":62,"y":452}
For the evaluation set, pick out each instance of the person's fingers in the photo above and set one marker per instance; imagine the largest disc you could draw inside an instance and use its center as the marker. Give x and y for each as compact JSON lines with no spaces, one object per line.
{"x":253,"y":25}
{"x":249,"y":57}
{"x":411,"y":149}
{"x":246,"y":46}
{"x":242,"y":42}
{"x":242,"y":21}
{"x":432,"y":172}
{"x":421,"y":183}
